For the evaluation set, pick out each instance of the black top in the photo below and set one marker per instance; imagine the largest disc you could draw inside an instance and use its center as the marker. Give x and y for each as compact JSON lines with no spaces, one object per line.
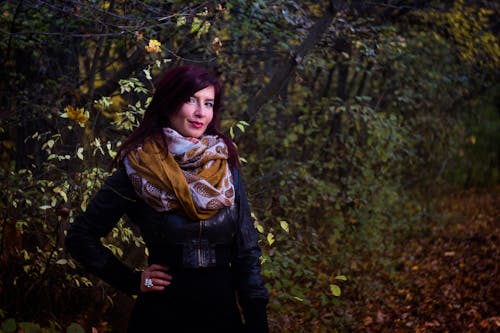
{"x":214,"y":263}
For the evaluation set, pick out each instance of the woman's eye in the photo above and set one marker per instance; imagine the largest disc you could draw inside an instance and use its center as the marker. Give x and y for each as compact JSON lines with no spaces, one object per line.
{"x":191,"y":100}
{"x":209,"y":104}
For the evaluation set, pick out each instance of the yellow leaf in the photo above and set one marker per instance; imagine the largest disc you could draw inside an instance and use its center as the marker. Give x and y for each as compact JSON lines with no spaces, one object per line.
{"x":82,"y":118}
{"x":284,"y":226}
{"x":259,"y":227}
{"x":154,"y":46}
{"x":335,"y":290}
{"x":59,"y":191}
{"x":270,"y":238}
{"x":72,"y":113}
{"x":76,"y":114}
{"x":64,"y":196}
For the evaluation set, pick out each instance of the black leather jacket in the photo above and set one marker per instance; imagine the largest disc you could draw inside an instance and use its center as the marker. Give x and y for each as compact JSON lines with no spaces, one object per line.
{"x":228,"y":239}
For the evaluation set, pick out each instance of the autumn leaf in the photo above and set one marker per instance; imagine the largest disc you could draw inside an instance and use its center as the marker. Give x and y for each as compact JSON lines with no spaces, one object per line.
{"x":284,"y":226}
{"x":270,"y":238}
{"x":77,"y":114}
{"x":154,"y":46}
{"x":217,"y":45}
{"x":335,"y":290}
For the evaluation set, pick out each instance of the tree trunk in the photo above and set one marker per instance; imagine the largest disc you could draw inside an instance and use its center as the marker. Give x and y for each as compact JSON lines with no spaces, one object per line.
{"x":285,"y":70}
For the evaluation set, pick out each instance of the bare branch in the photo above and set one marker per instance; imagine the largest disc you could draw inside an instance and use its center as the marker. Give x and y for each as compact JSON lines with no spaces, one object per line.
{"x":284,"y":71}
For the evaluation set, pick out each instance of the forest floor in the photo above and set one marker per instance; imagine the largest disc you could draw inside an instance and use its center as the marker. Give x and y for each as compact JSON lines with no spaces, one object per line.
{"x":447,"y":280}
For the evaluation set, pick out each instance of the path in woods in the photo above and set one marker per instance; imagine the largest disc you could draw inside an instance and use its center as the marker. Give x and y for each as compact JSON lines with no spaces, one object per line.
{"x":447,"y":280}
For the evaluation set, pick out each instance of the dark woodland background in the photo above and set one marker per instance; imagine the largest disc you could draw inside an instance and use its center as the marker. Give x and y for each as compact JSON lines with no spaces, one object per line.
{"x":369,"y":135}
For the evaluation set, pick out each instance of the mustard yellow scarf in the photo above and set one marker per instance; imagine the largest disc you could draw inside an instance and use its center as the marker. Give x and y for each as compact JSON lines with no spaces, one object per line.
{"x":193,"y":176}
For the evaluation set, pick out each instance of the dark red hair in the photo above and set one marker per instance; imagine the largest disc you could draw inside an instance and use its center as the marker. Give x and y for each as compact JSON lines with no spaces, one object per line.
{"x":172,"y":89}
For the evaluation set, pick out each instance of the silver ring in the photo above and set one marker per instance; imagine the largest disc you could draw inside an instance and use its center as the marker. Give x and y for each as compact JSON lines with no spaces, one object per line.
{"x":148,"y":283}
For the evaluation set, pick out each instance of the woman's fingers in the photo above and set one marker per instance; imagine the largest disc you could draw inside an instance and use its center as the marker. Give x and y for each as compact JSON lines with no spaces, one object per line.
{"x":159,"y":272}
{"x":160,"y":275}
{"x":156,"y":267}
{"x":155,"y":278}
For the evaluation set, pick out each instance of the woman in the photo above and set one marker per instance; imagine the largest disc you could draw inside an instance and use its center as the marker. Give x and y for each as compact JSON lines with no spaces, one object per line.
{"x":178,"y":180}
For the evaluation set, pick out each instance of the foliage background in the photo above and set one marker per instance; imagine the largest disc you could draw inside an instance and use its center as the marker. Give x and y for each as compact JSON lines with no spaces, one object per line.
{"x":351,"y":118}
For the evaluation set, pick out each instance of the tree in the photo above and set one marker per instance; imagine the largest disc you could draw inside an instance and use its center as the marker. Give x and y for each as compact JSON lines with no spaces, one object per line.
{"x":341,"y":112}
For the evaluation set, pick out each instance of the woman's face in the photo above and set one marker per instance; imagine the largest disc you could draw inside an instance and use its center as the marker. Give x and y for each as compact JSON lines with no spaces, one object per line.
{"x":195,"y":114}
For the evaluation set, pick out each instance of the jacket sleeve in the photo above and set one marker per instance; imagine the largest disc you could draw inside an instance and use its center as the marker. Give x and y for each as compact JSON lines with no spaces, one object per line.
{"x":253,"y":296}
{"x":83,"y":240}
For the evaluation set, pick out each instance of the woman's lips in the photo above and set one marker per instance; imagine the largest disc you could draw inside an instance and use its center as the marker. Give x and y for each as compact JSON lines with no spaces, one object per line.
{"x":196,"y":124}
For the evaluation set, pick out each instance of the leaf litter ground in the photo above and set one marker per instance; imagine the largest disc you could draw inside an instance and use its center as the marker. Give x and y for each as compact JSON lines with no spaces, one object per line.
{"x":447,"y":280}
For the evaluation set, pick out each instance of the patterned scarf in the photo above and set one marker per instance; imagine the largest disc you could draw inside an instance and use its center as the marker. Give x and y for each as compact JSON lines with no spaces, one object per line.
{"x":193,"y":176}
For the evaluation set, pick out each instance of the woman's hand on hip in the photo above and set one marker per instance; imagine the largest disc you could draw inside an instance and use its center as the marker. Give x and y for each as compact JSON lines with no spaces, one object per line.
{"x":155,"y":278}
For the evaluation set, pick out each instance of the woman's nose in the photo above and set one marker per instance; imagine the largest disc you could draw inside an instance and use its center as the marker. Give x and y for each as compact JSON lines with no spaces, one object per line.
{"x":200,"y":109}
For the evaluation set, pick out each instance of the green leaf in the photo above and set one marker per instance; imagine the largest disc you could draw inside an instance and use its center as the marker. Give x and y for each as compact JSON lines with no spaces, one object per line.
{"x":341,"y":278}
{"x":30,"y":327}
{"x":79,"y":153}
{"x":148,"y":74}
{"x":181,"y":20}
{"x":75,"y":328}
{"x":9,"y":325}
{"x":335,"y":290}
{"x":196,"y":25}
{"x":61,"y":193}
{"x":241,"y":127}
{"x":204,"y":29}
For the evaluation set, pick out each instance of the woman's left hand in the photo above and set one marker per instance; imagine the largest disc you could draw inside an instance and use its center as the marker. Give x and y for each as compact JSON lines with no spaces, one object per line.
{"x":155,"y":278}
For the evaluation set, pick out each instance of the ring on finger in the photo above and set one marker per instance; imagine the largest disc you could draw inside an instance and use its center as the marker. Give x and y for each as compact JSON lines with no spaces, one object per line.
{"x":148,"y":283}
